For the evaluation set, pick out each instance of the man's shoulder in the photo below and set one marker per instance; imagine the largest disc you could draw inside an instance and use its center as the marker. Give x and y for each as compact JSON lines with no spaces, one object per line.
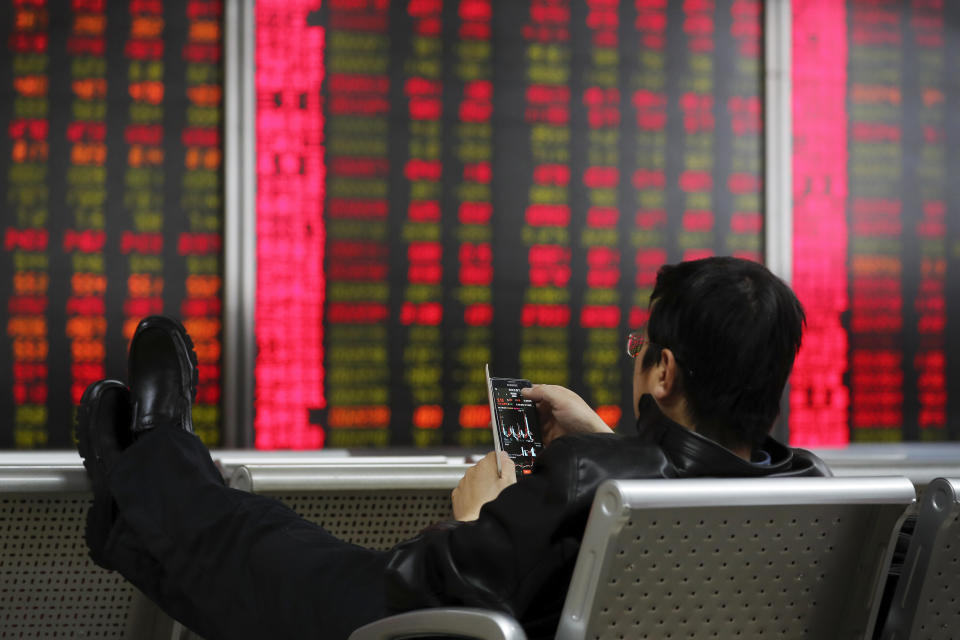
{"x":603,"y":447}
{"x":577,"y":464}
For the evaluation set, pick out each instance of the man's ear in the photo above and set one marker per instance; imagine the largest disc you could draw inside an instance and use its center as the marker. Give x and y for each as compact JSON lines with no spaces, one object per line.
{"x":665,"y":387}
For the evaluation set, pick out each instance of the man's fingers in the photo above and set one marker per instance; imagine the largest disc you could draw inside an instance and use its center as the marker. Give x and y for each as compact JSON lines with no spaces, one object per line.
{"x":486,"y":463}
{"x":505,"y":461}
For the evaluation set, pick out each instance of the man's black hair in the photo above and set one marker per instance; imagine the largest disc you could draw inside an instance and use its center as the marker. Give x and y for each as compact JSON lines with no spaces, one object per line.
{"x":735,"y":329}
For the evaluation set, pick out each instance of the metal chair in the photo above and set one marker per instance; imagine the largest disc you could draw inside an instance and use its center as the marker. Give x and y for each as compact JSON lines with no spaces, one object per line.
{"x":49,"y":587}
{"x":925,"y":603}
{"x":719,"y":558}
{"x":455,"y":622}
{"x":367,"y":502}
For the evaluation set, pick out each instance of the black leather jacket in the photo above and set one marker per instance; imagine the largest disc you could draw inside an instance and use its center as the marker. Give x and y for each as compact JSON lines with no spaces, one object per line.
{"x":518,"y":556}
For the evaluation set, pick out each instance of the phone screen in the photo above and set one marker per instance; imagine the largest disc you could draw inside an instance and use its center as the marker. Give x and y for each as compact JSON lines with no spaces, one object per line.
{"x":515,"y":422}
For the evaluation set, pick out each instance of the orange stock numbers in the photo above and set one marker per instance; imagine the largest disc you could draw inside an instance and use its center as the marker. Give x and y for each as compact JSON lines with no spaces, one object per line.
{"x":30,"y":349}
{"x":428,"y":416}
{"x":88,"y":284}
{"x":27,"y":326}
{"x":140,"y":155}
{"x":144,"y":285}
{"x":89,"y":24}
{"x":26,"y":283}
{"x":89,"y":153}
{"x":475,"y":416}
{"x":31,"y":86}
{"x":203,"y":158}
{"x":610,"y":414}
{"x":205,"y":31}
{"x":208,"y":350}
{"x":86,"y":327}
{"x":30,"y":19}
{"x":203,"y":286}
{"x":202,"y":328}
{"x":375,"y":417}
{"x":90,"y":88}
{"x":147,"y":27}
{"x":147,"y":91}
{"x":87,"y":350}
{"x":30,"y":151}
{"x":207,"y":95}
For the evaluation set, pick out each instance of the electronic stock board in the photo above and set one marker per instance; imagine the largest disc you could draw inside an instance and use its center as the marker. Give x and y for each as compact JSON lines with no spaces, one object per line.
{"x":443,"y":184}
{"x":113,"y":204}
{"x":500,"y":182}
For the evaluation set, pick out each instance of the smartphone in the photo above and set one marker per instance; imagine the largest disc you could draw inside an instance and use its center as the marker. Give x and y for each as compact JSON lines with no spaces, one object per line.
{"x":515,"y":423}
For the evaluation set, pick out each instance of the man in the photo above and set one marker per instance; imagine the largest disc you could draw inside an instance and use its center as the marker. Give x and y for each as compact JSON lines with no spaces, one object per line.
{"x":708,"y":375}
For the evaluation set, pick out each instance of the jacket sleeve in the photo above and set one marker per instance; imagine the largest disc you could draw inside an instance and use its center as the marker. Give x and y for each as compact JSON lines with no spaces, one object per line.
{"x":523,"y":543}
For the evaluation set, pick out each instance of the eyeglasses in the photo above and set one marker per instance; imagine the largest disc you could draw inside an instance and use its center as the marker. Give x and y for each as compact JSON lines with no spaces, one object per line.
{"x":635,"y":342}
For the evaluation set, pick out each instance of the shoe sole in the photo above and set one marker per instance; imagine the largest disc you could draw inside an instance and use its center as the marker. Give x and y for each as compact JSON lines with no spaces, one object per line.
{"x":100,"y":514}
{"x":185,"y":346}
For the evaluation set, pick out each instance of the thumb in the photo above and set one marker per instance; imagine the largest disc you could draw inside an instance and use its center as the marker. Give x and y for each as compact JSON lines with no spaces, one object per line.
{"x":535,"y":393}
{"x":509,"y":468}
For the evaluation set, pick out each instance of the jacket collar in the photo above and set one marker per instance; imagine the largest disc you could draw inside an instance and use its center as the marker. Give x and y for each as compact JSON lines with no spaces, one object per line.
{"x":695,"y":455}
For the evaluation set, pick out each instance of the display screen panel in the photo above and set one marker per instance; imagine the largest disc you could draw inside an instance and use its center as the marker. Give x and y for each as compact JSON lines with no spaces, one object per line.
{"x":485,"y":181}
{"x":876,"y":236}
{"x":443,"y":184}
{"x":110,"y":165}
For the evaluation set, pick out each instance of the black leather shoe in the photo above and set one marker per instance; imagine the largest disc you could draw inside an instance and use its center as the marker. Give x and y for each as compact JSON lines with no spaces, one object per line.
{"x":103,"y":428}
{"x":162,"y":366}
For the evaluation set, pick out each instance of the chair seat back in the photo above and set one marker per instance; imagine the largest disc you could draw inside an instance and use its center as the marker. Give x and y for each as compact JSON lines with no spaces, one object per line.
{"x":724,"y":558}
{"x":49,"y":587}
{"x":370,"y":503}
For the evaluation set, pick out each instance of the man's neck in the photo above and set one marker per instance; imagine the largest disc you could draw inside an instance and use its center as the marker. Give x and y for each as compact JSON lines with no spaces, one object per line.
{"x":744,"y":452}
{"x":677,"y":412}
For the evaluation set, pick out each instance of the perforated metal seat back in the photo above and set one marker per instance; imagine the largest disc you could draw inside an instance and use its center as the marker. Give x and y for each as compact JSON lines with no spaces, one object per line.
{"x":720,"y":570}
{"x":926,"y":604}
{"x":696,"y":573}
{"x":377,"y":519}
{"x":49,"y":587}
{"x":938,"y":609}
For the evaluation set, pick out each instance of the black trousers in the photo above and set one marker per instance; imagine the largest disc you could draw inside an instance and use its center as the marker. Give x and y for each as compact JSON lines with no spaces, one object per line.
{"x":225,"y":563}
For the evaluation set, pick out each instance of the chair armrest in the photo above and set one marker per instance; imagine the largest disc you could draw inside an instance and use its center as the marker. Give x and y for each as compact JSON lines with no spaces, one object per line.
{"x":481,"y":624}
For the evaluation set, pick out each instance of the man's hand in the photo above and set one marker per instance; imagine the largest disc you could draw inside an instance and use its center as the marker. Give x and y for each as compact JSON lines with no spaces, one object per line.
{"x":480,"y":484}
{"x":563,"y":412}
